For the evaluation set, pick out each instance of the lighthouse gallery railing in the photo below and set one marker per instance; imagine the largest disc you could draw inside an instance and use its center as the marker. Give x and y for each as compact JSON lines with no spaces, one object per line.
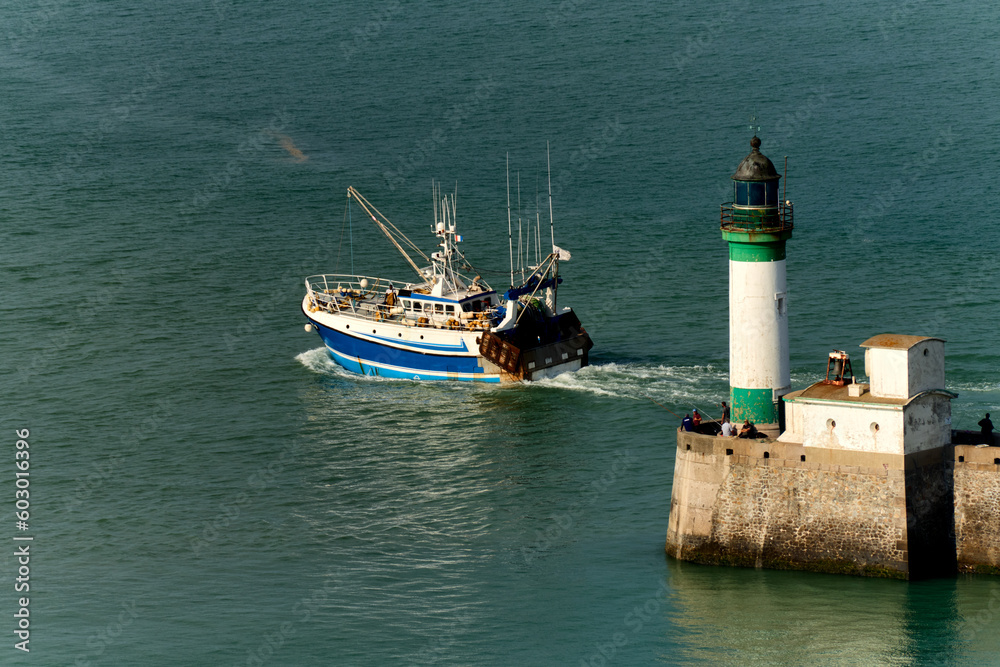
{"x":775,"y":219}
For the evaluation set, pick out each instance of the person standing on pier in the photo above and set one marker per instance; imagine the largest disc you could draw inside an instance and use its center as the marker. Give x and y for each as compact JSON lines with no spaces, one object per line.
{"x":987,"y":428}
{"x":686,"y":423}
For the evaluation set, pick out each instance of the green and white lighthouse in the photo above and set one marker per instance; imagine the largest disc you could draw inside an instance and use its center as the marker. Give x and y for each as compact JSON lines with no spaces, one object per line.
{"x":756,"y":225}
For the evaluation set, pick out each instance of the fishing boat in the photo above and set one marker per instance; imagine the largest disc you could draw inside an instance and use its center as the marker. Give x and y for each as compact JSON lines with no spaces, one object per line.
{"x":446,"y":325}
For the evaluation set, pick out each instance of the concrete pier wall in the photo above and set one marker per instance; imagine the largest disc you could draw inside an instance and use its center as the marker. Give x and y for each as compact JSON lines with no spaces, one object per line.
{"x":977,"y":508}
{"x":785,"y":506}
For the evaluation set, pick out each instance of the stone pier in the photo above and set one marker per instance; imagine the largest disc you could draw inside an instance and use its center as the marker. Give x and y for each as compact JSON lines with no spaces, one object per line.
{"x":764,"y":503}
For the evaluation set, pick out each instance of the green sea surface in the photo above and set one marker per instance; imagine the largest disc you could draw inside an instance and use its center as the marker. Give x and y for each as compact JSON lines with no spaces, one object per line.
{"x":208,"y":488}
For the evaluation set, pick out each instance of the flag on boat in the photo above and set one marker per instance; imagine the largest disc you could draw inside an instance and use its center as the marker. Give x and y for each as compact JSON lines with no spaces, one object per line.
{"x":562,"y":255}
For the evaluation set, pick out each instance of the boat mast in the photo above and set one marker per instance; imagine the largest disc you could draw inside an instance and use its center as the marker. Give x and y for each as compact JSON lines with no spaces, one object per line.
{"x":552,"y":229}
{"x":538,"y":238}
{"x":510,"y":239}
{"x":520,"y":252}
{"x":445,"y":226}
{"x":538,"y":225}
{"x":451,"y":236}
{"x":551,"y":295}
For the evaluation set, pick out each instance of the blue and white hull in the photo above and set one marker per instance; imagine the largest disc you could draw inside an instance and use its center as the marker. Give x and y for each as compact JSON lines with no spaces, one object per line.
{"x":387,"y":349}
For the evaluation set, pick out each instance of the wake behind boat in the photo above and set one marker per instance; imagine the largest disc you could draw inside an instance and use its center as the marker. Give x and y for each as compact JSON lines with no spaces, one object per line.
{"x":446,"y":325}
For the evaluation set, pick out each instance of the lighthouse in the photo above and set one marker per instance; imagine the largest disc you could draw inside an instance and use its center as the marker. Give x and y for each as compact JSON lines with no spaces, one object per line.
{"x":876,"y":465}
{"x":756,"y":224}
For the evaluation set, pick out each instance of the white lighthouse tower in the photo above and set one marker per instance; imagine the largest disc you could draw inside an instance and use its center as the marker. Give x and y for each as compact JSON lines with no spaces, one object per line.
{"x":756,"y":224}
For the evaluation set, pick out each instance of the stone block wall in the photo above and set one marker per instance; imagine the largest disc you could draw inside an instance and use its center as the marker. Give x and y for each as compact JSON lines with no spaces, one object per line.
{"x":786,"y":506}
{"x":977,"y":508}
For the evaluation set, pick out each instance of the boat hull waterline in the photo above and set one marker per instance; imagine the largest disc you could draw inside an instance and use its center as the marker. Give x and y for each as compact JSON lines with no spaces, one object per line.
{"x":435,"y":355}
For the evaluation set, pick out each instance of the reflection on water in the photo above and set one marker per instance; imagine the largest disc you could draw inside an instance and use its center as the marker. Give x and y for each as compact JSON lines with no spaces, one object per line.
{"x":744,"y":616}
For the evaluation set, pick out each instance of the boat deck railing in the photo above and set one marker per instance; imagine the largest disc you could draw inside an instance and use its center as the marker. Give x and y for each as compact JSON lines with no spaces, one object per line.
{"x":365,"y":298}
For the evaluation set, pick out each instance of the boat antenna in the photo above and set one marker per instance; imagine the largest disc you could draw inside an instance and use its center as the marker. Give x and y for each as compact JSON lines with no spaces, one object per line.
{"x":452,"y":230}
{"x":510,"y":239}
{"x":538,"y":227}
{"x":520,"y":250}
{"x":552,"y":229}
{"x":554,"y":266}
{"x":538,"y":238}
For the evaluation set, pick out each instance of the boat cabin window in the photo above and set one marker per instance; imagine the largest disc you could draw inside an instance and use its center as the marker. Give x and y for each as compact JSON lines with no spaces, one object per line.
{"x":438,"y":308}
{"x":477,"y":306}
{"x":449,"y":309}
{"x":416,"y":306}
{"x":407,"y":304}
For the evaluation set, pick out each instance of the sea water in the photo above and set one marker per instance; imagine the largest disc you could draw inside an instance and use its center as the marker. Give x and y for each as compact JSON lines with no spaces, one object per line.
{"x":207,"y":487}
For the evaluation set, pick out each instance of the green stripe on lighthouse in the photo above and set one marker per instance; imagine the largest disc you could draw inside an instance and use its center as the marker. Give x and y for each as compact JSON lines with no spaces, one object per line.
{"x":756,"y":252}
{"x":757,"y":405}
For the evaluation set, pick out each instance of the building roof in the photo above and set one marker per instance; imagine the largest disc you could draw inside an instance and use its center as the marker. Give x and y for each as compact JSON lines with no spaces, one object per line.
{"x":896,"y":341}
{"x":831,"y":392}
{"x":756,"y":166}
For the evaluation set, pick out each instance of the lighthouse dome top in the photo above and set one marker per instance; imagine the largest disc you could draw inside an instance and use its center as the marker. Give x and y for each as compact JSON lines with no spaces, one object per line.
{"x":756,"y":166}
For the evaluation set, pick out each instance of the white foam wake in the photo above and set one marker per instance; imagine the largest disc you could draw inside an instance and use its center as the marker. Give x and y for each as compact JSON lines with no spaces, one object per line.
{"x":678,"y":385}
{"x":319,"y":361}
